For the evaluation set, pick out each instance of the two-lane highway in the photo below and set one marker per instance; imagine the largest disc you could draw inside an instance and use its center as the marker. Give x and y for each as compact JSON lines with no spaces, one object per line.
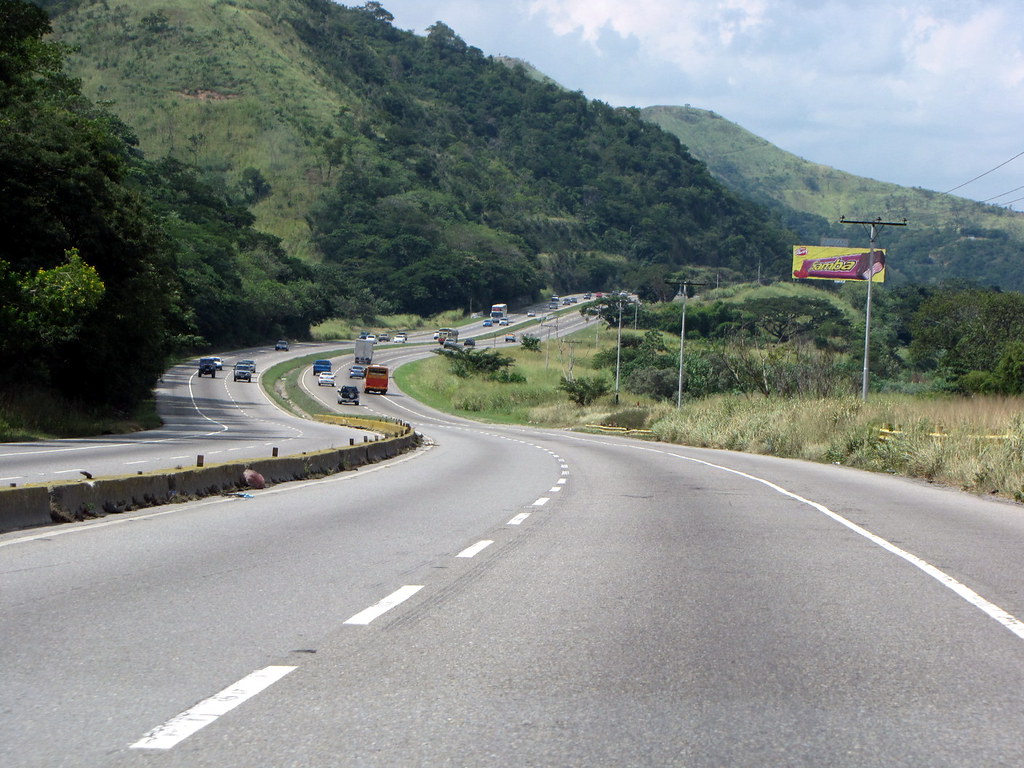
{"x":518,"y":596}
{"x":218,"y":418}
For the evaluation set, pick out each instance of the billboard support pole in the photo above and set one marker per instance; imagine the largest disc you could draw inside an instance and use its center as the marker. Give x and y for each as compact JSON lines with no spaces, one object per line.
{"x":875,"y":224}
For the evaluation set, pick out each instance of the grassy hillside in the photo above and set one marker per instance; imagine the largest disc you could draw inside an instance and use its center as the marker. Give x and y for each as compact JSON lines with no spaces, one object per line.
{"x":224,"y":85}
{"x":948,"y":237}
{"x":425,"y":174}
{"x":760,"y":170}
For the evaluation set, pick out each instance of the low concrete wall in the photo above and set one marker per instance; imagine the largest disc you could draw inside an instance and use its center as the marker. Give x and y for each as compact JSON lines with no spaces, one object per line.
{"x":24,"y":507}
{"x":45,"y":504}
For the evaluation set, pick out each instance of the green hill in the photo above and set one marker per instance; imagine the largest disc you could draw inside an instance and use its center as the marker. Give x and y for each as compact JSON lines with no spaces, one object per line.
{"x":948,"y":237}
{"x":429,"y":175}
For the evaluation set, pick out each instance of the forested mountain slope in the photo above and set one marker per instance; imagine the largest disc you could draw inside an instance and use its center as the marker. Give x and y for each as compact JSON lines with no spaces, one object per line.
{"x":425,"y":174}
{"x":948,"y":237}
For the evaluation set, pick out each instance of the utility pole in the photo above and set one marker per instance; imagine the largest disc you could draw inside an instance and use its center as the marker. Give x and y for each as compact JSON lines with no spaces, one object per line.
{"x":682,"y":336}
{"x":618,"y":351}
{"x":874,"y":224}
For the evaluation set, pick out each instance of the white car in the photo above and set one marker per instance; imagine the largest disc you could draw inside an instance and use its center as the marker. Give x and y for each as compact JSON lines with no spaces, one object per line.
{"x":401,"y":338}
{"x":325,"y":379}
{"x":219,"y":363}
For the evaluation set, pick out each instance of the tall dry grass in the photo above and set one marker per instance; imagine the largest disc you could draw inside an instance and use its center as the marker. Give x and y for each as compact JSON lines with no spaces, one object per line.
{"x":976,"y":443}
{"x":973,"y":443}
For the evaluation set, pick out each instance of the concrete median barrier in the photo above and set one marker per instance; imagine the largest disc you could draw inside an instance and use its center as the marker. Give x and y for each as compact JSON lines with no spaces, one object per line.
{"x":42,"y":505}
{"x":24,"y":507}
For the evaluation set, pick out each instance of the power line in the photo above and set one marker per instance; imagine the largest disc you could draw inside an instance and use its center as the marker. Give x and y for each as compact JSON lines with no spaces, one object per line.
{"x":1015,"y":189}
{"x":986,"y":173}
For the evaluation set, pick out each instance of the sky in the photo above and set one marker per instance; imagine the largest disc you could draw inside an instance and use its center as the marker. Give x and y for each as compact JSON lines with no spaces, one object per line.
{"x":920,"y":93}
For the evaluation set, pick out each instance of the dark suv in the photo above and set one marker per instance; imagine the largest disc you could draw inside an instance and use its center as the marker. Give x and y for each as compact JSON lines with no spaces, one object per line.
{"x":208,"y":366}
{"x":349,"y":394}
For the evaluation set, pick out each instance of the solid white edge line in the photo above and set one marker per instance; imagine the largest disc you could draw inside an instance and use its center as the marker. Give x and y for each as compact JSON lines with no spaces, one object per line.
{"x":1002,"y":616}
{"x":179,"y":728}
{"x":397,"y":597}
{"x":476,"y":548}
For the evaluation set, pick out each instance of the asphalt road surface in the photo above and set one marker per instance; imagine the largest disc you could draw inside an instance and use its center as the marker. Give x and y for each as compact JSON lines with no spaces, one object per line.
{"x":509,"y":596}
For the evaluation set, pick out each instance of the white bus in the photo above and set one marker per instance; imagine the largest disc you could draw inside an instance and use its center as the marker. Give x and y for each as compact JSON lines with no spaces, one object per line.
{"x":499,"y":311}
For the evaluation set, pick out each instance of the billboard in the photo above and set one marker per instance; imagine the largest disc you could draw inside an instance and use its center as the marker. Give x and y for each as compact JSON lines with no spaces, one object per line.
{"x":823,"y":262}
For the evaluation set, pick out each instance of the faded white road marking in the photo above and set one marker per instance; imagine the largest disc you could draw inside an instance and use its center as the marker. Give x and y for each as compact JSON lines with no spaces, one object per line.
{"x":397,"y":597}
{"x":205,"y":712}
{"x":475,"y":549}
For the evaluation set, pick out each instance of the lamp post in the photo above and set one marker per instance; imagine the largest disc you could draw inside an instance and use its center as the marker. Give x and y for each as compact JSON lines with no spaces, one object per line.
{"x":618,"y":352}
{"x":682,"y":338}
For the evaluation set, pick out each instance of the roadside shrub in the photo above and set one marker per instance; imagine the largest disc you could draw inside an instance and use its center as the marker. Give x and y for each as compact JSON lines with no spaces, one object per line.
{"x":584,"y":391}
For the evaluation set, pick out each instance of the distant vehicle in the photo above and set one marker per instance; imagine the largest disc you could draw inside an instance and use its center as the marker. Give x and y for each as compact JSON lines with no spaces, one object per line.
{"x":356,"y":372}
{"x":531,"y":313}
{"x":553,"y":299}
{"x":447,"y":333}
{"x":384,"y":337}
{"x":510,"y":337}
{"x":208,"y":366}
{"x":587,"y":296}
{"x":325,"y":379}
{"x":503,"y":321}
{"x":348,"y":394}
{"x":601,"y":295}
{"x":319,"y":366}
{"x":364,"y":351}
{"x":566,"y":302}
{"x":469,"y":343}
{"x":401,"y":337}
{"x":376,"y":379}
{"x":488,"y":323}
{"x":371,"y":337}
{"x":499,"y":311}
{"x":437,"y":334}
{"x":219,"y":363}
{"x":250,"y":363}
{"x":282,"y":345}
{"x":364,"y":334}
{"x":242,"y":372}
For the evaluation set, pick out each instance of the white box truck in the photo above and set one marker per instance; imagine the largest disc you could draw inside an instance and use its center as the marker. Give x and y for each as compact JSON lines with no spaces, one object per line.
{"x":364,"y":351}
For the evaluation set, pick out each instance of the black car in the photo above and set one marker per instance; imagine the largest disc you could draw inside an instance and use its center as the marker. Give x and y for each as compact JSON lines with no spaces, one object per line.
{"x":469,"y":343}
{"x":348,"y":394}
{"x":208,"y":366}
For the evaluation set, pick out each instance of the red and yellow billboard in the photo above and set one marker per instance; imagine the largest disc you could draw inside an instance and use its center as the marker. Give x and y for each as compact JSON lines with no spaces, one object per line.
{"x":827,"y":262}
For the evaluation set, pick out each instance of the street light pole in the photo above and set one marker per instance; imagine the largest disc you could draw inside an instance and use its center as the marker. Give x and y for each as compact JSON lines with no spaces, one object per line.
{"x":682,"y":340}
{"x":618,"y":353}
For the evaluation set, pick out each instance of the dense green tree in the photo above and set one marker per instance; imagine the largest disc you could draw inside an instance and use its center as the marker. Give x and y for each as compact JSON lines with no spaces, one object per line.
{"x":969,"y":330}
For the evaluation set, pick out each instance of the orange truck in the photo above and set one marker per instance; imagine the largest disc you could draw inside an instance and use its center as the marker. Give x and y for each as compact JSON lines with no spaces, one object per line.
{"x":376,"y":380}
